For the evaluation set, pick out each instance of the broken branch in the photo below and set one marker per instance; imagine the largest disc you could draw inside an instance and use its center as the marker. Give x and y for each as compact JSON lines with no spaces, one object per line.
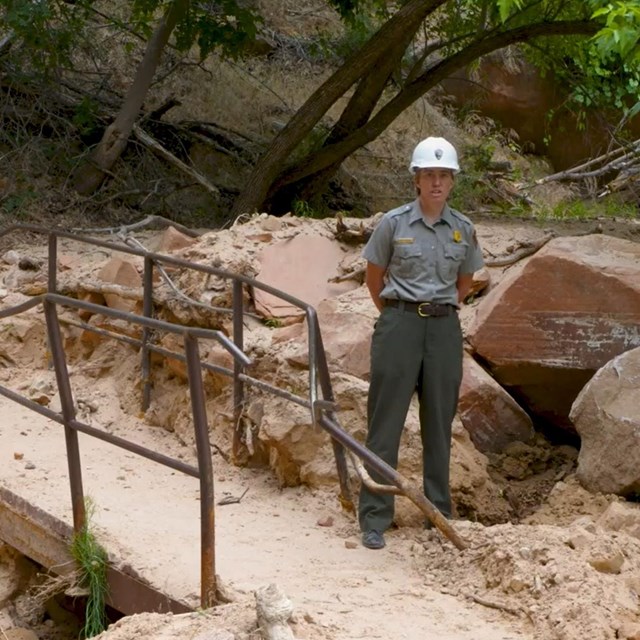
{"x":524,"y":252}
{"x":154,"y":145}
{"x":493,"y":605}
{"x":142,"y":224}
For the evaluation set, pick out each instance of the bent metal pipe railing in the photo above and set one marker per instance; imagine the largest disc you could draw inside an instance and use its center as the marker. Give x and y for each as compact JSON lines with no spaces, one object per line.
{"x":318,"y":369}
{"x":67,"y":417}
{"x":323,"y":411}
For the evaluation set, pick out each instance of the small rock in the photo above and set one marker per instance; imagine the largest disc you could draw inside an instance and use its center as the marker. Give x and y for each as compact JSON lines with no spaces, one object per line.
{"x":29,"y":264}
{"x":350,"y":544}
{"x":608,"y":564}
{"x":326,"y":521}
{"x":579,"y":538}
{"x":630,"y":631}
{"x":17,"y":455}
{"x":11,"y":257}
{"x":271,"y":223}
{"x":29,"y":465}
{"x":41,"y":399}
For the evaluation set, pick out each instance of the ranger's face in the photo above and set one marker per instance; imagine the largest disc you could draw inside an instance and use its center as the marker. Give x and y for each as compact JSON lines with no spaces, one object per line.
{"x":434,"y":184}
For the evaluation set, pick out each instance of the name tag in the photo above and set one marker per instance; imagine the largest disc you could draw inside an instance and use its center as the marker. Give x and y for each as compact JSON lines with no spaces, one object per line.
{"x":404,"y":240}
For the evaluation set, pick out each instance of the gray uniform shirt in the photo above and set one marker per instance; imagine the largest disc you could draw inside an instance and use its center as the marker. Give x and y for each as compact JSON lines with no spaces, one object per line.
{"x":423,"y":260}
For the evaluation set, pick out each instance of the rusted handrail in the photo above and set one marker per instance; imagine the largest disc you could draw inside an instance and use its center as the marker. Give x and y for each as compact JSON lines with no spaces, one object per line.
{"x":322,"y":410}
{"x":67,"y":417}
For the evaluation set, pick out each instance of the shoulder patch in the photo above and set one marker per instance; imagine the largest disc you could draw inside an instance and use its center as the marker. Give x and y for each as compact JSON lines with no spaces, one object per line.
{"x":405,"y":208}
{"x":461,"y":217}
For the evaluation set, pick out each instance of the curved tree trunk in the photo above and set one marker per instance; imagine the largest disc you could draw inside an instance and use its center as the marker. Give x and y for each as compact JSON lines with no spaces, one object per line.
{"x":409,"y":17}
{"x":330,"y":157}
{"x":356,"y":114}
{"x":91,"y":174}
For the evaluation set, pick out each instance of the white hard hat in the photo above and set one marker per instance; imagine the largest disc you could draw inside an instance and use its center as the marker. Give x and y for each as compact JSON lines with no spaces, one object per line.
{"x":434,"y":153}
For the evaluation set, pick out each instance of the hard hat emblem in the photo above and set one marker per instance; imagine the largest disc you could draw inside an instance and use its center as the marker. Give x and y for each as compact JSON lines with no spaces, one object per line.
{"x":438,"y":154}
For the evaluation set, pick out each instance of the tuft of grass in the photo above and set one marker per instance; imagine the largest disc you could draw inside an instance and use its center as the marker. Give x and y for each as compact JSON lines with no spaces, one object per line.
{"x":92,"y":564}
{"x":303,"y":209}
{"x":607,"y":207}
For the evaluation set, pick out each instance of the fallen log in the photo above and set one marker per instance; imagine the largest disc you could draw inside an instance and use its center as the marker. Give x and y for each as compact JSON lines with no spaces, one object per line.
{"x":154,"y":145}
{"x":149,"y":221}
{"x":525,"y":251}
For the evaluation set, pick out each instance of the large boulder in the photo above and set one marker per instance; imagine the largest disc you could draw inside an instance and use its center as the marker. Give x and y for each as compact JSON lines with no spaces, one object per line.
{"x":303,"y":266}
{"x":346,"y":325}
{"x":490,"y":415}
{"x":606,"y":414}
{"x":553,"y":321}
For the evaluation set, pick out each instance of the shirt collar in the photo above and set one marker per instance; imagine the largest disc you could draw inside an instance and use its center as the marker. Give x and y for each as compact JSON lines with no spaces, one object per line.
{"x":416,"y":214}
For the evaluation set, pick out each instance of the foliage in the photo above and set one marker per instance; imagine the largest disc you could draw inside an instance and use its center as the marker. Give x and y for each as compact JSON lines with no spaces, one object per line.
{"x":47,"y":33}
{"x":85,"y":118}
{"x":602,"y":71}
{"x":353,"y":10}
{"x":303,"y":209}
{"x":224,"y":24}
{"x":585,"y":209}
{"x":332,"y":47}
{"x":615,"y":54}
{"x":92,"y":562}
{"x":620,"y":35}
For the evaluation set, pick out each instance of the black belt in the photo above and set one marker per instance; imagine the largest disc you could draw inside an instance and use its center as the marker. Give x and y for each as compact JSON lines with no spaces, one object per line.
{"x":423,"y":309}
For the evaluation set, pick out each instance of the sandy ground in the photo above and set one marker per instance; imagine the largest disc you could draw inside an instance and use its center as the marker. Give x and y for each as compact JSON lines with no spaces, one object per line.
{"x":148,"y":516}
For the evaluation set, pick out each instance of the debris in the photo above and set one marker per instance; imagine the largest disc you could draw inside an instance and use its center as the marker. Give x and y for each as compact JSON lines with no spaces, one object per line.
{"x":229,"y":499}
{"x":274,"y":612}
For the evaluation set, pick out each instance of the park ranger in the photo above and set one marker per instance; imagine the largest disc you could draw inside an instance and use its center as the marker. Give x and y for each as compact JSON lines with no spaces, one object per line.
{"x":420,"y":263}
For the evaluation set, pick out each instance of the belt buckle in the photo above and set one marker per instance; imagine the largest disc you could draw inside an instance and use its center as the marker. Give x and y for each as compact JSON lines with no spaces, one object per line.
{"x":421,"y":313}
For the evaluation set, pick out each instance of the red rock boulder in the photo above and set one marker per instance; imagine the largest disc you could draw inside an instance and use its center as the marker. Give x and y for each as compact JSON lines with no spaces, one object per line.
{"x":553,"y":321}
{"x":490,"y":415}
{"x":606,"y":414}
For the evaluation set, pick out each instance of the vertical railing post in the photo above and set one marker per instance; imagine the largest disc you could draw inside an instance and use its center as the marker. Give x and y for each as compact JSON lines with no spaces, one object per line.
{"x":319,"y":360}
{"x":68,"y":414}
{"x":205,"y":467}
{"x":238,"y":385}
{"x":52,"y":274}
{"x":147,"y":312}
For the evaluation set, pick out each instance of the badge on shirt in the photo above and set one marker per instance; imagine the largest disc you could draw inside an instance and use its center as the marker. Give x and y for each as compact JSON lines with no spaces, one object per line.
{"x":457,"y":236}
{"x":404,"y":240}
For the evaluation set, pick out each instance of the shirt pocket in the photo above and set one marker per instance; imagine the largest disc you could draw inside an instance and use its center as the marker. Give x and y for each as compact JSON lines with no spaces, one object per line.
{"x":454,"y":255}
{"x":406,"y":260}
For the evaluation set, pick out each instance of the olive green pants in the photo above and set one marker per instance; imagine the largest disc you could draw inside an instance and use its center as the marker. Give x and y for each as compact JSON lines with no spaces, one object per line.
{"x":412,"y":354}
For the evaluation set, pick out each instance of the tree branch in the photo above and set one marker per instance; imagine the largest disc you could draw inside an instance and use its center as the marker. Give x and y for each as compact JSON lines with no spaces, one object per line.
{"x":615,"y":163}
{"x":303,"y":121}
{"x":414,"y":90}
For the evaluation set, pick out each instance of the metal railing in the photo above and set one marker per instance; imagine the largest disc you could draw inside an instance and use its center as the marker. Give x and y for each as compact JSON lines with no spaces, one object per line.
{"x":322,"y":409}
